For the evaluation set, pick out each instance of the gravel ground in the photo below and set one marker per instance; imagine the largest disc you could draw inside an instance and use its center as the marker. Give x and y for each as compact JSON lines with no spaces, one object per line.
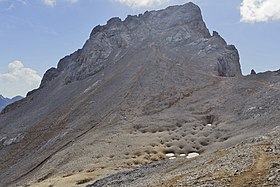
{"x":254,"y":162}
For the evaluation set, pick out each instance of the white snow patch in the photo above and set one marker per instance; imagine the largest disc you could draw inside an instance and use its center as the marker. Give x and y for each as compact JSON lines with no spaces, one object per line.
{"x":182,"y":155}
{"x":192,"y":155}
{"x":209,"y":124}
{"x":170,"y":154}
{"x":172,"y":158}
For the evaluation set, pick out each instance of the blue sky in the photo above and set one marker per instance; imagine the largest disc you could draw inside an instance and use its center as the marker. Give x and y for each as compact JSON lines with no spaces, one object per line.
{"x":35,"y":34}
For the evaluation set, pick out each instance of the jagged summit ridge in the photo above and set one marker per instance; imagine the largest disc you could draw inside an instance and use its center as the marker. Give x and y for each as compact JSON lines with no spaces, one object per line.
{"x":179,"y":29}
{"x":187,"y":16}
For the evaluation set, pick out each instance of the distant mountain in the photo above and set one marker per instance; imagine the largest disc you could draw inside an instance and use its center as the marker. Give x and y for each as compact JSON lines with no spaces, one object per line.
{"x":4,"y":101}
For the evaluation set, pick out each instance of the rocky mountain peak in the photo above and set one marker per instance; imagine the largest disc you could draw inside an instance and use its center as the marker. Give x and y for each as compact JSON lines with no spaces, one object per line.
{"x":173,"y":16}
{"x":178,"y":29}
{"x":156,"y":23}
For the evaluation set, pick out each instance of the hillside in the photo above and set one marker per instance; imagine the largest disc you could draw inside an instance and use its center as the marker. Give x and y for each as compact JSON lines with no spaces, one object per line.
{"x":139,"y":89}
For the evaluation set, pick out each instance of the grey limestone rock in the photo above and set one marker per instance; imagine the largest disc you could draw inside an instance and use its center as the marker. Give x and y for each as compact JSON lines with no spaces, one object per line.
{"x":49,"y":76}
{"x":253,"y":72}
{"x":178,"y":28}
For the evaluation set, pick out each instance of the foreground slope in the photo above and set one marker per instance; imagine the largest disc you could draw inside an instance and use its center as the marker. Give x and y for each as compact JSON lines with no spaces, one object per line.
{"x":254,"y":162}
{"x":138,"y":89}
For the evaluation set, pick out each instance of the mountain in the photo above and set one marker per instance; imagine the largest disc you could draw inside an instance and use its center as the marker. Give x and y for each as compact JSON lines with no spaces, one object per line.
{"x":142,"y":89}
{"x":6,"y":101}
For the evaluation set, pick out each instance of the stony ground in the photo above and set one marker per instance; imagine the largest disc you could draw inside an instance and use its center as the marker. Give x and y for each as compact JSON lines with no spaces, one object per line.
{"x":254,"y":162}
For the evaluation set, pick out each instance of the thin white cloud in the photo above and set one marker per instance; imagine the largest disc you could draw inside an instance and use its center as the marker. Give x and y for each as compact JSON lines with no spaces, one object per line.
{"x":18,"y":80}
{"x":53,"y":2}
{"x":11,"y":5}
{"x":50,"y":2}
{"x":142,"y":3}
{"x":259,"y":10}
{"x":22,"y":2}
{"x":72,"y":1}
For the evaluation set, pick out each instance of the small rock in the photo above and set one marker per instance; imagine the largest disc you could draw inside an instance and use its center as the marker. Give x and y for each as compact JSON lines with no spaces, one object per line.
{"x":275,"y":165}
{"x":251,"y":108}
{"x":253,"y":72}
{"x":272,"y":178}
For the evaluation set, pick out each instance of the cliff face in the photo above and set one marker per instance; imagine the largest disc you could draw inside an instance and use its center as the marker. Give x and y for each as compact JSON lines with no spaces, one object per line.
{"x":152,"y":84}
